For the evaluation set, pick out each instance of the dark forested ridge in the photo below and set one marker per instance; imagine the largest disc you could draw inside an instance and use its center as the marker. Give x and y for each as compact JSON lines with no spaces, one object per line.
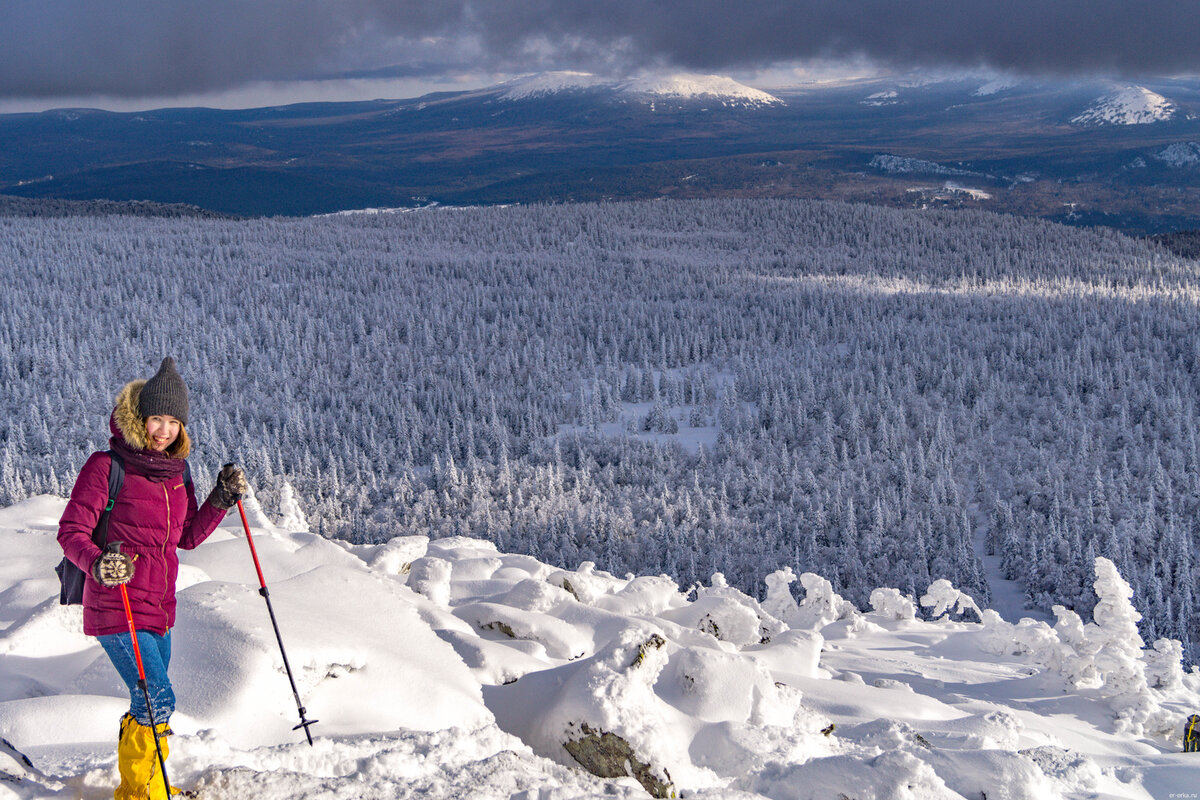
{"x":1181,"y":243}
{"x":11,"y":206}
{"x":676,"y":386}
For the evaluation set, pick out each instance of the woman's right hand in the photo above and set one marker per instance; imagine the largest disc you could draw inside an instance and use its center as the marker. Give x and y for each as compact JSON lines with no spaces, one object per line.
{"x":112,"y":569}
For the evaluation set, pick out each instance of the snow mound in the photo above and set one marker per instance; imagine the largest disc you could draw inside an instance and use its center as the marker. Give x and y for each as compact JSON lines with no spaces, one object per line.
{"x":1131,"y":105}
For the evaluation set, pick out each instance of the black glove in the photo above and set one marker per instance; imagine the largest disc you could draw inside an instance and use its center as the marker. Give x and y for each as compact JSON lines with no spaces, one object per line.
{"x":113,"y":567}
{"x":231,"y":487}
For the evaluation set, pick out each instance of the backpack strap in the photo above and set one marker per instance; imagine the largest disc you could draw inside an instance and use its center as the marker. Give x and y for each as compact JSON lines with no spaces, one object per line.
{"x":187,"y":474}
{"x":116,"y":478}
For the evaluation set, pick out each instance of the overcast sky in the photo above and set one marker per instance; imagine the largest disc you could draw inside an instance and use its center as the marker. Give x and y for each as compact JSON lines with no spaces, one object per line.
{"x":140,"y":53}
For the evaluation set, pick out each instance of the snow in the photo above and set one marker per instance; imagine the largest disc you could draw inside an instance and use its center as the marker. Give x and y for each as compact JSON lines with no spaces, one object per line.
{"x":974,"y":194}
{"x":995,"y":86}
{"x":1180,"y":154}
{"x":888,"y":98}
{"x":447,"y":668}
{"x":1008,"y":596}
{"x":1130,"y":105}
{"x":944,"y":599}
{"x":692,"y":86}
{"x":548,"y":83}
{"x":899,"y":165}
{"x":720,"y":89}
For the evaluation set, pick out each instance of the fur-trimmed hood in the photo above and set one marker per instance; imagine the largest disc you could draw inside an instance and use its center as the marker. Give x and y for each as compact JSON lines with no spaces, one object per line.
{"x":127,"y":423}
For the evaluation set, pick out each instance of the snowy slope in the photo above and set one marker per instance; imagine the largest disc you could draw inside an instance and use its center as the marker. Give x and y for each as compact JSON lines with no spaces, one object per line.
{"x":714,"y":88}
{"x":995,"y":85}
{"x":679,"y":87}
{"x":548,"y":83}
{"x":449,"y":669}
{"x":1131,"y":105}
{"x":1180,"y":154}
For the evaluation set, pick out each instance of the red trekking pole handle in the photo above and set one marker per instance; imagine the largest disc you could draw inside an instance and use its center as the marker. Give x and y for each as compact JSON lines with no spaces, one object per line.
{"x":262,"y":583}
{"x":137,"y":656}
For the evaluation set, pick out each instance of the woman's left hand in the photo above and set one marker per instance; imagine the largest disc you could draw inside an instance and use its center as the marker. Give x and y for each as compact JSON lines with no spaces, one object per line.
{"x":231,"y":487}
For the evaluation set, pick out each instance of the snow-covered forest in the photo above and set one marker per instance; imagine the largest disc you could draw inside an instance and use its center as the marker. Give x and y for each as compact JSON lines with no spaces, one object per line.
{"x":874,"y":395}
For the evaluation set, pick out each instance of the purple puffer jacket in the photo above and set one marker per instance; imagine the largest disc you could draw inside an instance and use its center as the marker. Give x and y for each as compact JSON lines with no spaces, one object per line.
{"x":152,"y":519}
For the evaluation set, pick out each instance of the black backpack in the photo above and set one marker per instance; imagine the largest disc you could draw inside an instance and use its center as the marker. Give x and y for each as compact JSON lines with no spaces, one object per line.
{"x":70,"y":577}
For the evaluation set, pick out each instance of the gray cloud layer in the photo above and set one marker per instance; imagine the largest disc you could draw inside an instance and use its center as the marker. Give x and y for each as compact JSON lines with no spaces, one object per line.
{"x":134,"y":48}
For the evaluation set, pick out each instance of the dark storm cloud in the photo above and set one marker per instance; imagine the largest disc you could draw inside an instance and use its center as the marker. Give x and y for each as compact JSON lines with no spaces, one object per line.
{"x":143,"y":47}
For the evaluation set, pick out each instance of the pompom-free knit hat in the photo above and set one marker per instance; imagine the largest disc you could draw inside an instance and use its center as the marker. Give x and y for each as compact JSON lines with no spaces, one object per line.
{"x":165,"y":393}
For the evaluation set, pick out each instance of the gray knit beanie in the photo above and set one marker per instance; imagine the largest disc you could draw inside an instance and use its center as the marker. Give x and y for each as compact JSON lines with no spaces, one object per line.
{"x":165,"y":393}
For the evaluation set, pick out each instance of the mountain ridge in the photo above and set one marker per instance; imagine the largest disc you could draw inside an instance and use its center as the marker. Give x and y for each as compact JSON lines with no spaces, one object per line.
{"x":564,"y":137}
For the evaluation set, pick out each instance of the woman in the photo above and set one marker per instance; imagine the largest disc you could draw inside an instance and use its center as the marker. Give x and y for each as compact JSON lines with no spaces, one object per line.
{"x":155,"y":512}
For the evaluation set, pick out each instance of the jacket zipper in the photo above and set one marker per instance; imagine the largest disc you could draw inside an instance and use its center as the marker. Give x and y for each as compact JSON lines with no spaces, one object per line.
{"x":166,"y":541}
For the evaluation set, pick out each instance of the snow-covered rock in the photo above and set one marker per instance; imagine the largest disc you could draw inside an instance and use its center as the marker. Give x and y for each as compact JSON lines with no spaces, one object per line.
{"x":396,"y":557}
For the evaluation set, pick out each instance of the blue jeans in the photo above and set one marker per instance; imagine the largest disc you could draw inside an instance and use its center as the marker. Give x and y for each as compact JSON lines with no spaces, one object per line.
{"x":156,"y":657}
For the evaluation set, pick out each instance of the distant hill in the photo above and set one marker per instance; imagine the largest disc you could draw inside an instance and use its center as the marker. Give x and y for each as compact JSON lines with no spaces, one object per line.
{"x":1062,"y":151}
{"x":1132,"y":105}
{"x":53,"y":207}
{"x":1181,"y":243}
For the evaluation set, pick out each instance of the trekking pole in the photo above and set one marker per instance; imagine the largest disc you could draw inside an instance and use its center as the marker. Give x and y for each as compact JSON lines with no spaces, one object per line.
{"x":137,"y":656}
{"x":304,"y":723}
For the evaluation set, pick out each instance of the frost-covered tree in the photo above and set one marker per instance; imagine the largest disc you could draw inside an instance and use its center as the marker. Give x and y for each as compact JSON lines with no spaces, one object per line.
{"x":880,"y":382}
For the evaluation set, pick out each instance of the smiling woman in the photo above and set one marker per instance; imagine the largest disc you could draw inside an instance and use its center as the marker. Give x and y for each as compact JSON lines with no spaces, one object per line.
{"x":152,"y":512}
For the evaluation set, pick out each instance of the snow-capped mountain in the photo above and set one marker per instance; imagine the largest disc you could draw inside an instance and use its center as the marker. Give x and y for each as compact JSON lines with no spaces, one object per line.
{"x":570,"y":136}
{"x":1131,"y":105}
{"x":650,"y":87}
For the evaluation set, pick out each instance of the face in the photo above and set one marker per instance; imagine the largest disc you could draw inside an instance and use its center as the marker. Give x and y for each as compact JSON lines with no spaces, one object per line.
{"x":163,"y":430}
